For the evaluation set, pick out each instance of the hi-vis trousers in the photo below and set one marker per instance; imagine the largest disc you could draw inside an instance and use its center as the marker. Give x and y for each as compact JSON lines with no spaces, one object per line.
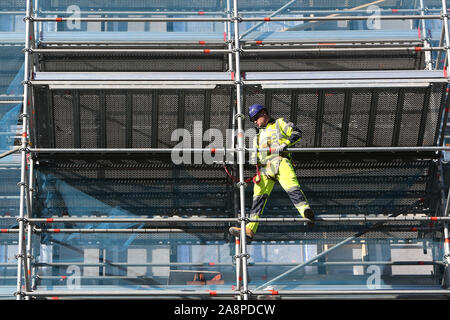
{"x":279,"y":169}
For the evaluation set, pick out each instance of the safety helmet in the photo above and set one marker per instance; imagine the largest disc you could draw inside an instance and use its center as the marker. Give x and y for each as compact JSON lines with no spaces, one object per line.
{"x":254,"y":110}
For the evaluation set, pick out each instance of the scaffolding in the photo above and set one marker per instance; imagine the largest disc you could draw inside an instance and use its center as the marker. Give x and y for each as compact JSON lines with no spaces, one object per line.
{"x":421,"y":77}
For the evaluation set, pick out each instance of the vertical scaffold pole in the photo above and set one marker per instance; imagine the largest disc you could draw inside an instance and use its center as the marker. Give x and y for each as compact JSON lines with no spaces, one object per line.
{"x":447,"y":245}
{"x":446,"y":64}
{"x":21,"y":255}
{"x":241,"y":150}
{"x":237,"y":246}
{"x":428,"y":60}
{"x":227,"y":37}
{"x":29,"y":215}
{"x":447,"y":37}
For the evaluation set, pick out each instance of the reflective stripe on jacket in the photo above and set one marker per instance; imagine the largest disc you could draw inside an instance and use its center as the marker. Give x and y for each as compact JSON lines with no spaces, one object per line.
{"x":273,"y":135}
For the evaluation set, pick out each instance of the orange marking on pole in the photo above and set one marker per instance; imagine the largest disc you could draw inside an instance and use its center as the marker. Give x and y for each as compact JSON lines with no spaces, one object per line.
{"x":274,"y":292}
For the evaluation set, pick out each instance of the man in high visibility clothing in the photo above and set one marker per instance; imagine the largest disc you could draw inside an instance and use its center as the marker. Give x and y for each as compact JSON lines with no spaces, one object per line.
{"x":274,"y":136}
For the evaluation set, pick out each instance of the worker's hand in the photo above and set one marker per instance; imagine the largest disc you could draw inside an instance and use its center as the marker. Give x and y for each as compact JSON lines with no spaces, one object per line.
{"x":281,"y":148}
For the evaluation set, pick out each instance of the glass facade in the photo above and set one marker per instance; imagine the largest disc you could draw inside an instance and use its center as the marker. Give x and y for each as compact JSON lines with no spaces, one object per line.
{"x":161,"y":257}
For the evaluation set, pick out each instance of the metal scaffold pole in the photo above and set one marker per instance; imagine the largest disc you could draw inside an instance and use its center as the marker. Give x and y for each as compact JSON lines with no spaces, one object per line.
{"x":446,"y":65}
{"x":22,"y":265}
{"x":428,"y":61}
{"x":446,"y":32}
{"x":446,"y":260}
{"x":243,"y":256}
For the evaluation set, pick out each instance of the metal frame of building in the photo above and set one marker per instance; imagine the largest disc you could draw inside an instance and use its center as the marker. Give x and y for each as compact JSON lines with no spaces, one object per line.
{"x":234,"y":49}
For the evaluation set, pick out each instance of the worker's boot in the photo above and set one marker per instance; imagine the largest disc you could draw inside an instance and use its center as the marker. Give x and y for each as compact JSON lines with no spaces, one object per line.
{"x":235,"y":231}
{"x":306,"y":212}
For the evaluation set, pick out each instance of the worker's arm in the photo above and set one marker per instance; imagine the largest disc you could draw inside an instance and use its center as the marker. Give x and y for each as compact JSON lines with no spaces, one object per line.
{"x":290,"y":131}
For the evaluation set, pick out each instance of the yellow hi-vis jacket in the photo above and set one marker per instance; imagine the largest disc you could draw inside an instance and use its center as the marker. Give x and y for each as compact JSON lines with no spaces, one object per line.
{"x":273,"y":135}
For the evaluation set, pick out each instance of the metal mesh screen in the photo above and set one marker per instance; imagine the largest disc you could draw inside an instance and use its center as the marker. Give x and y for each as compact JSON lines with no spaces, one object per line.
{"x":90,"y":120}
{"x":320,"y":61}
{"x":13,"y":4}
{"x":327,"y":117}
{"x":316,"y":61}
{"x":134,"y":5}
{"x":319,"y":4}
{"x":143,"y":109}
{"x":136,"y":62}
{"x":116,"y":121}
{"x":359,"y":118}
{"x":358,"y":186}
{"x":63,"y":120}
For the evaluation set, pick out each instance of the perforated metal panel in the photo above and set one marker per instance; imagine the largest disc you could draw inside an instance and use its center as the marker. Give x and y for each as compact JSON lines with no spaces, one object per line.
{"x":132,"y":62}
{"x":143,"y":112}
{"x":250,"y":62}
{"x":13,"y":4}
{"x":62,"y":107}
{"x":90,"y":120}
{"x":359,"y":186}
{"x":319,"y":4}
{"x":133,"y":5}
{"x":327,"y":117}
{"x":326,"y":61}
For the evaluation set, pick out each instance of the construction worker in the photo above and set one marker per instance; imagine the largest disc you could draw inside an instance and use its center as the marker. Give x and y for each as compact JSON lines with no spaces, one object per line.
{"x":276,"y":136}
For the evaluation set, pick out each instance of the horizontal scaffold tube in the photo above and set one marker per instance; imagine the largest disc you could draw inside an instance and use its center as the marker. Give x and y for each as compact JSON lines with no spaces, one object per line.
{"x":241,"y":19}
{"x":216,"y":150}
{"x":135,"y":50}
{"x":218,"y":264}
{"x":221,"y":51}
{"x":162,"y":292}
{"x":295,"y":11}
{"x":128,"y":19}
{"x":226,"y":220}
{"x":153,"y":292}
{"x":334,"y":18}
{"x":10,"y":101}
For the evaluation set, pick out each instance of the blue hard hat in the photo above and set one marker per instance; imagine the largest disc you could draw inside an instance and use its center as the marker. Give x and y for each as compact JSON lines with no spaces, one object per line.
{"x":254,"y":110}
